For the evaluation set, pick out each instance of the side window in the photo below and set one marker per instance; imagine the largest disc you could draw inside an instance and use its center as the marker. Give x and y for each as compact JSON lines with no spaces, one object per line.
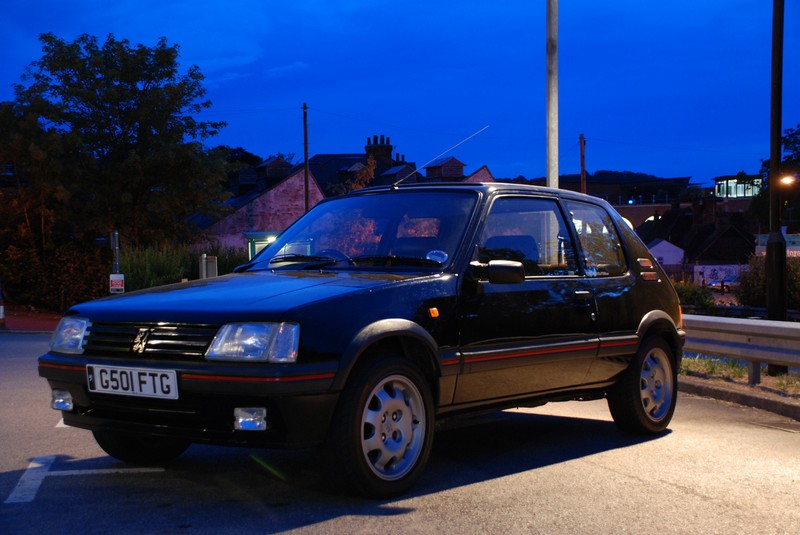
{"x":599,"y":240}
{"x":531,"y":231}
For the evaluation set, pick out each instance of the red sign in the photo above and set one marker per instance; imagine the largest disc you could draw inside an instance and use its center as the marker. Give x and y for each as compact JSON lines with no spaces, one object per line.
{"x":117,"y":283}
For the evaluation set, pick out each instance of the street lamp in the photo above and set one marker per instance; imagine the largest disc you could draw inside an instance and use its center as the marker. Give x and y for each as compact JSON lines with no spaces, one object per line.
{"x":786,"y":182}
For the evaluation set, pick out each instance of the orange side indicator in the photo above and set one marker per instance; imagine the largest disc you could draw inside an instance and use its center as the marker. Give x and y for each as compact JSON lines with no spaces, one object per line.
{"x":433,"y":312}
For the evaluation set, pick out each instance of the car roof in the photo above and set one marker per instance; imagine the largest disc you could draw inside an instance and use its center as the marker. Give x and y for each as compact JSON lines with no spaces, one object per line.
{"x":482,"y":187}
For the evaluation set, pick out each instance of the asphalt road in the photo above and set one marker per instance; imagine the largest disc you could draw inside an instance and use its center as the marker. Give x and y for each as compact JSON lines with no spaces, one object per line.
{"x":561,"y":468}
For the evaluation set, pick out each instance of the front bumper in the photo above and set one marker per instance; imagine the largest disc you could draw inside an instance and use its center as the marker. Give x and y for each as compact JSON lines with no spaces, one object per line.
{"x":298,"y":400}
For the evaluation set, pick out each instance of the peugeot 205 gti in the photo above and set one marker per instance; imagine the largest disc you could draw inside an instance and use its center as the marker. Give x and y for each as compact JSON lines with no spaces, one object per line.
{"x":373,"y":316}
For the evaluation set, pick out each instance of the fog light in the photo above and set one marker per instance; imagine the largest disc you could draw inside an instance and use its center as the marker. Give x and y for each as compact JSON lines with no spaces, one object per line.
{"x":250,"y":418}
{"x":62,"y":400}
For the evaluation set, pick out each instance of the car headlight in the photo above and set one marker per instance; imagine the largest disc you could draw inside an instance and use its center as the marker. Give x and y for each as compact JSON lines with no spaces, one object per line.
{"x":269,"y":342}
{"x":68,"y":336}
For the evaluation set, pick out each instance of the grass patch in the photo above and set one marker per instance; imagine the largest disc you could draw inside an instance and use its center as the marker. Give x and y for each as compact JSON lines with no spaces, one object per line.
{"x":788,"y":383}
{"x":713,"y":367}
{"x":735,"y":371}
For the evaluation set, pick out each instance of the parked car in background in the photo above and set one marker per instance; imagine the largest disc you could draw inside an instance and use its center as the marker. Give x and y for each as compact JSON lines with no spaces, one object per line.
{"x":724,"y":285}
{"x":373,"y":316}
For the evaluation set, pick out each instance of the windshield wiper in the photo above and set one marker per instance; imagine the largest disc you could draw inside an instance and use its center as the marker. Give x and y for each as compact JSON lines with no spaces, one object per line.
{"x":392,"y":260}
{"x":312,"y":260}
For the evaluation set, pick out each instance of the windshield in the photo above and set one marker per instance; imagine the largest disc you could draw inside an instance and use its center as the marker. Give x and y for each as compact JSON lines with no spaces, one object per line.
{"x":406,"y":230}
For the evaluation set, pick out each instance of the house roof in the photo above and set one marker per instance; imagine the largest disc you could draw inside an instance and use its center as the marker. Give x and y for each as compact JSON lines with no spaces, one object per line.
{"x":438,"y":162}
{"x":396,"y":169}
{"x":727,"y":244}
{"x":663,"y":243}
{"x":327,"y":168}
{"x":331,"y":170}
{"x":725,"y":241}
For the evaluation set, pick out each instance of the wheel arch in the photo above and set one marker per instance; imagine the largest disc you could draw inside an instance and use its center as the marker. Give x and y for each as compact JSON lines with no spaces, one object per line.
{"x":396,"y":336}
{"x":659,"y":323}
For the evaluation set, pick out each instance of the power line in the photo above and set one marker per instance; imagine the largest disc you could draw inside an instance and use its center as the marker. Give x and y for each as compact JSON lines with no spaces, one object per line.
{"x":522,"y":139}
{"x":665,"y":147}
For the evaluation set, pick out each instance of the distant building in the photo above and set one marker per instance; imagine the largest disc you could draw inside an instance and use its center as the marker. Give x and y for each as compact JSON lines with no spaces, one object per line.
{"x":261,"y":214}
{"x":625,"y":188}
{"x":334,"y":171}
{"x":738,"y":186}
{"x":792,"y":245}
{"x":665,"y":252}
{"x":271,"y":196}
{"x":444,"y":169}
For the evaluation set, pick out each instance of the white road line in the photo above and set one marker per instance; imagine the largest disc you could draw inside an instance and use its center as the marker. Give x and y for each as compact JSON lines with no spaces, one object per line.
{"x":28,"y":484}
{"x":39,"y":468}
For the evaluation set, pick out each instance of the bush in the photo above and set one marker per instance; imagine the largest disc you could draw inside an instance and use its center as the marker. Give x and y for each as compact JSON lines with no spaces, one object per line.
{"x":156,"y":266}
{"x":752,"y":289}
{"x":695,"y":295}
{"x":56,"y":279}
{"x":71,"y":274}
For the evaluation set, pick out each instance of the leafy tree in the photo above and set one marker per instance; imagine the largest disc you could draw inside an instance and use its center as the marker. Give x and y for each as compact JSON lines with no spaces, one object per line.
{"x":129,"y":115}
{"x":40,"y":163}
{"x":790,"y":196}
{"x":100,"y":137}
{"x":361,"y":179}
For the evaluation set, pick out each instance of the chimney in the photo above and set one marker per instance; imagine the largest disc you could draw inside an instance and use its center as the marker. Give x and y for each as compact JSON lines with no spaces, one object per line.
{"x":380,"y":152}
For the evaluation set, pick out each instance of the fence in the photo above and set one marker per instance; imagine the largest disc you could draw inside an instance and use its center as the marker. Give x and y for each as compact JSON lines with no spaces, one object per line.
{"x":753,"y":340}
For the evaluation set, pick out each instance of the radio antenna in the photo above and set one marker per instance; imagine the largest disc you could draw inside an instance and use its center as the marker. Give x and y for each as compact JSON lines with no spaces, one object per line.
{"x":440,"y":155}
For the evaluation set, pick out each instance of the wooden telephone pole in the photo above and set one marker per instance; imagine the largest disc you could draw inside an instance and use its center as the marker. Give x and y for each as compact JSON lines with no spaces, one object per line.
{"x":305,"y":151}
{"x":583,"y":163}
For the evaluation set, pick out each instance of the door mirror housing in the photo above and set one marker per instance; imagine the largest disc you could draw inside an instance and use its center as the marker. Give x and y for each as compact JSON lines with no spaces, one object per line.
{"x":498,"y":271}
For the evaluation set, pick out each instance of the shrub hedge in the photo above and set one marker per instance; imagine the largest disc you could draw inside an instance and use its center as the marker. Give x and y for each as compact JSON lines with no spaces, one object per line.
{"x":694,"y":295}
{"x":752,"y":290}
{"x":70,"y":274}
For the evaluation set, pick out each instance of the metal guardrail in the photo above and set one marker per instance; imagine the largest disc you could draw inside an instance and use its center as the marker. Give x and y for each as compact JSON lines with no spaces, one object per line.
{"x":753,"y":340}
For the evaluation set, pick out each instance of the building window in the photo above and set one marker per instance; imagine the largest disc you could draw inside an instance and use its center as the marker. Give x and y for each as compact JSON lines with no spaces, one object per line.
{"x":734,"y":188}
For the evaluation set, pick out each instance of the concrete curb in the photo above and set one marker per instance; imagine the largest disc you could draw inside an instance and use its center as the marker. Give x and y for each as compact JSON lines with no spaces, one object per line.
{"x":773,"y":403}
{"x":23,"y":331}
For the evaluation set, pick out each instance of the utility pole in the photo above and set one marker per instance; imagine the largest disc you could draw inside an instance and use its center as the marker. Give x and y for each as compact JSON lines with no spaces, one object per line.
{"x":305,"y":152}
{"x":552,"y":93}
{"x":583,"y":163}
{"x":777,"y":301}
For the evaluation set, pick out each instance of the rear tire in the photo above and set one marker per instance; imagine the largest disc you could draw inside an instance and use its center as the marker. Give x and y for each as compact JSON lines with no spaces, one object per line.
{"x":140,"y":449}
{"x":382,"y":432}
{"x":643,"y":401}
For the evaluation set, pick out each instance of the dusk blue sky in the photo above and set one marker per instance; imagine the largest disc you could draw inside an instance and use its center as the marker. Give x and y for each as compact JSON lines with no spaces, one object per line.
{"x":677,"y":88}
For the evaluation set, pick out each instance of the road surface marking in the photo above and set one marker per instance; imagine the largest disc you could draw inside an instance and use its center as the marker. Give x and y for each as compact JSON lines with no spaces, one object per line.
{"x":39,"y":468}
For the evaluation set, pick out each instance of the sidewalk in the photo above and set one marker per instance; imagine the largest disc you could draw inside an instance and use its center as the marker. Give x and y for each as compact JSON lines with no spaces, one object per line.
{"x":23,"y":320}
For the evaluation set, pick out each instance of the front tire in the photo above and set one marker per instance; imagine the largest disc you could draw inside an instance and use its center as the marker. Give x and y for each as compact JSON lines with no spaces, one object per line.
{"x":140,"y":449}
{"x":381,"y":435}
{"x":643,"y":401}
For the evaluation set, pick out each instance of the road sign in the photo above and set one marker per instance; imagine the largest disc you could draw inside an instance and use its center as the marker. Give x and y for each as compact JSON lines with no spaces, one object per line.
{"x":117,"y":283}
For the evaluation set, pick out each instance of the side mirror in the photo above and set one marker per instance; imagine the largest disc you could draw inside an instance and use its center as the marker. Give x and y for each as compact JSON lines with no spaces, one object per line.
{"x":499,"y":271}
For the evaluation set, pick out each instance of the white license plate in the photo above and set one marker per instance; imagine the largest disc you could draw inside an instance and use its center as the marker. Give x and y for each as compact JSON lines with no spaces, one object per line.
{"x":142,"y":382}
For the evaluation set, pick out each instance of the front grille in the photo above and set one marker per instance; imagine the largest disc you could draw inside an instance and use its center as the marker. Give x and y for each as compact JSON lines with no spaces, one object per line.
{"x":151,"y":340}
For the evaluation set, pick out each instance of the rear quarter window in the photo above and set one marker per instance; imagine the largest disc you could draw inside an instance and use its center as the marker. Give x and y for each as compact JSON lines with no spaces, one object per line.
{"x":600,"y":243}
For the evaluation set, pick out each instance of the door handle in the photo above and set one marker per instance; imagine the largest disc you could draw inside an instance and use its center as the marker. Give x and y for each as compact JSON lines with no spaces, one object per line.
{"x":583,"y":298}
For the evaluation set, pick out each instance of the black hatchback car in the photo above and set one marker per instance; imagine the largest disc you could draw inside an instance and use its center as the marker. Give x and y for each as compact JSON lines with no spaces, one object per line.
{"x":370,"y":318}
